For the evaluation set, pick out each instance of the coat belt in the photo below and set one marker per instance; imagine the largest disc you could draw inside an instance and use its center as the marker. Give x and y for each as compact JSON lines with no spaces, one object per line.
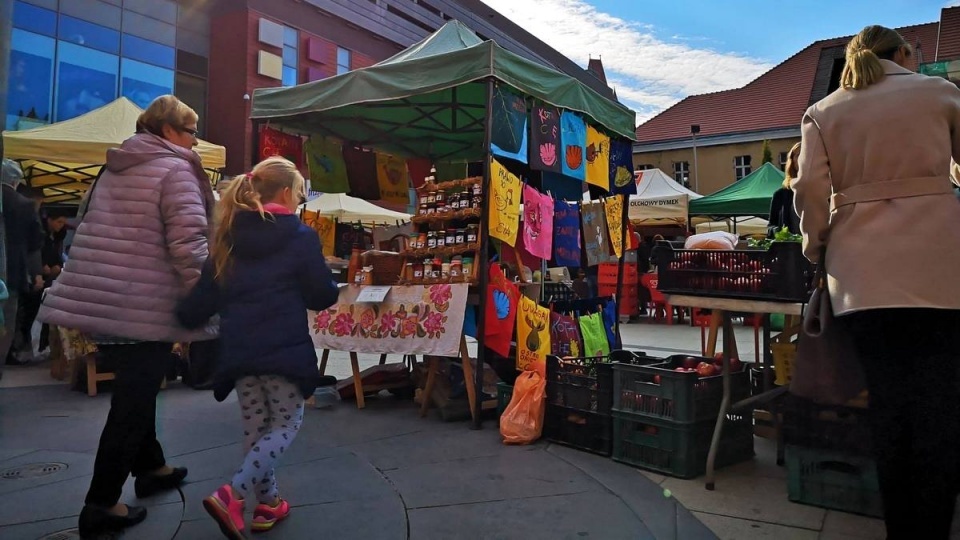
{"x":919,"y":186}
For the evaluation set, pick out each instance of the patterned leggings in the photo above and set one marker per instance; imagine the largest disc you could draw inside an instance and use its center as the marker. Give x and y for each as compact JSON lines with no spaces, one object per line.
{"x":272,"y":410}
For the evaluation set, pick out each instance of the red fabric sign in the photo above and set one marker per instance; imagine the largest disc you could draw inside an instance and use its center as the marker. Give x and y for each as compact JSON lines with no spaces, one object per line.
{"x":278,"y":143}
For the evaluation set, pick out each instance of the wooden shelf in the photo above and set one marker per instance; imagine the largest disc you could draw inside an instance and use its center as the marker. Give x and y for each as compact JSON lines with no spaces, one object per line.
{"x":443,"y":217}
{"x":442,"y":252}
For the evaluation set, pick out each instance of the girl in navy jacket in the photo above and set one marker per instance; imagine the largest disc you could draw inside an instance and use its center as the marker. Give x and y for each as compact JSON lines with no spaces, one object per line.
{"x":266,"y":269}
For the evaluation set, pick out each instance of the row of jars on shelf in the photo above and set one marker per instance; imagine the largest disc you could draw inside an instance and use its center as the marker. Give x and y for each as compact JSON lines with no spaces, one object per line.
{"x":454,"y":269}
{"x":445,"y":238}
{"x":439,"y":202}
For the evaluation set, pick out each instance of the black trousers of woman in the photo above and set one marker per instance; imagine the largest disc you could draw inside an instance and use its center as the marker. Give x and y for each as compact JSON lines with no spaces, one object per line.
{"x":911,"y":358}
{"x":128,"y":444}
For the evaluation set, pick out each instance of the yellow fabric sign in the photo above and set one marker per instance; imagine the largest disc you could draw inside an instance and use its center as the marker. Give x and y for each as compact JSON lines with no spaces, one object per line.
{"x":392,"y":178}
{"x":598,"y":158}
{"x":504,"y":215}
{"x":614,"y":210}
{"x":533,"y":333}
{"x":326,"y":229}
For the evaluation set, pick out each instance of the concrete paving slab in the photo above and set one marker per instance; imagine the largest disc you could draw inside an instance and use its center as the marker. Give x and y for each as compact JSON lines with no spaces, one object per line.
{"x":43,"y":503}
{"x":853,"y":525}
{"x":77,"y":465}
{"x":731,"y":528}
{"x":567,"y":517}
{"x":37,"y":529}
{"x":516,"y":473}
{"x":421,"y":447}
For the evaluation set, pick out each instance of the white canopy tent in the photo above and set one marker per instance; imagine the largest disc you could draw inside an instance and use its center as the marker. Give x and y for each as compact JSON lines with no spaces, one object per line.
{"x":659,"y":200}
{"x":744,"y":226}
{"x":345,"y":208}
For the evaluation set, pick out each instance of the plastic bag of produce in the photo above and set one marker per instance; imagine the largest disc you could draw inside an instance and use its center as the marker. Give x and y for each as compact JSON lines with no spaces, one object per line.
{"x":712,"y":240}
{"x":522,"y":420}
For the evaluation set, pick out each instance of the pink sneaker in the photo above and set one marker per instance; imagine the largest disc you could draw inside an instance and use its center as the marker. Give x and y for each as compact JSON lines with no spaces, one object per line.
{"x":227,"y":510}
{"x":266,"y":516}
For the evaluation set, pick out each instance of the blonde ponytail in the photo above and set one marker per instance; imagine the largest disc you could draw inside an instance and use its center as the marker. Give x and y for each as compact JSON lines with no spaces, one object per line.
{"x":249,"y":192}
{"x":863,"y":67}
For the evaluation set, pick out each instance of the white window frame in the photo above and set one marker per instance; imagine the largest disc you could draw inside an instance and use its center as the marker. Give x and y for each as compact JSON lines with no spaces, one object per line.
{"x":742,"y":166}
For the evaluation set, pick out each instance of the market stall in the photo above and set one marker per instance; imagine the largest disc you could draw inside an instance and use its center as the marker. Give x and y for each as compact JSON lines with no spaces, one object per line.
{"x":454,"y":98}
{"x":64,"y":158}
{"x":742,"y":227}
{"x":748,"y":197}
{"x":660,"y":201}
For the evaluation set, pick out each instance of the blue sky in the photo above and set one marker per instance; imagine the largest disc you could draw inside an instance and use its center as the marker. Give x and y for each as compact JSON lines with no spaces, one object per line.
{"x":657,"y":52}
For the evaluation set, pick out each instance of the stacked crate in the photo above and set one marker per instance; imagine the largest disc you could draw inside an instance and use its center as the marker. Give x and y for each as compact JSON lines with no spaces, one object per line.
{"x":663,"y":419}
{"x":629,"y":299}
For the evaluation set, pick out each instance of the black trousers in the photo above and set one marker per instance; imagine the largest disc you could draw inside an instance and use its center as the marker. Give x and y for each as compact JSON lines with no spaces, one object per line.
{"x":911,"y":358}
{"x":129,"y":443}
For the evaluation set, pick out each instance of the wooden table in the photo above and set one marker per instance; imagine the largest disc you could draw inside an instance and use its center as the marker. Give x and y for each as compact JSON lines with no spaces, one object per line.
{"x":722,"y":315}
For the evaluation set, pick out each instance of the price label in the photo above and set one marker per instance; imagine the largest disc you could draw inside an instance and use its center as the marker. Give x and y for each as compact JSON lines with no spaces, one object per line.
{"x":373,"y":293}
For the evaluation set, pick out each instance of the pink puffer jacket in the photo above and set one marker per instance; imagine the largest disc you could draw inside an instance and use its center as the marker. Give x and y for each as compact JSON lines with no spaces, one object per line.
{"x":140,"y":247}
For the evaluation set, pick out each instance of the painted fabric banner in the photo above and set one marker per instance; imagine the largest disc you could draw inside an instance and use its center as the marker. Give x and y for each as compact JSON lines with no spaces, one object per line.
{"x":598,"y":158}
{"x":415,"y":319}
{"x":545,"y":138}
{"x":326,"y":229}
{"x":362,"y":173}
{"x":621,"y":167}
{"x":392,"y":179}
{"x":504,"y":215}
{"x":419,"y":169}
{"x":595,"y":241}
{"x":278,"y":143}
{"x":533,"y":335}
{"x":562,"y":187}
{"x":613,"y":210}
{"x":573,"y":135}
{"x":509,"y":135}
{"x":564,"y":336}
{"x":501,"y":311}
{"x":594,"y":336}
{"x":566,"y":234}
{"x":328,"y":170}
{"x":610,"y":322}
{"x":537,"y":223}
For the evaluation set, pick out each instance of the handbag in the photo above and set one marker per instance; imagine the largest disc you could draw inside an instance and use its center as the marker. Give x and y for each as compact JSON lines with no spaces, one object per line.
{"x":827,"y":367}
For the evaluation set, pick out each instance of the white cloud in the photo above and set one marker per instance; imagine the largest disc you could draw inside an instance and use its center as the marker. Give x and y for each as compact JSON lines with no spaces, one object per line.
{"x":650,"y":73}
{"x":952,"y":3}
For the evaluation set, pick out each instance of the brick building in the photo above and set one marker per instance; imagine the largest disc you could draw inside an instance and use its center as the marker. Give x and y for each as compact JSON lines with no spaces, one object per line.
{"x":734,"y":123}
{"x":65,"y":57}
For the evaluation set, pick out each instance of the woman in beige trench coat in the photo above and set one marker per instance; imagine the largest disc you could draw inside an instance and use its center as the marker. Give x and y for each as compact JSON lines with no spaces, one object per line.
{"x":874,"y":187}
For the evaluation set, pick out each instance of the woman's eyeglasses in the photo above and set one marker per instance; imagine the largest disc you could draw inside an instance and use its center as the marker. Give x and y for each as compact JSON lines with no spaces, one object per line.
{"x":192,"y":132}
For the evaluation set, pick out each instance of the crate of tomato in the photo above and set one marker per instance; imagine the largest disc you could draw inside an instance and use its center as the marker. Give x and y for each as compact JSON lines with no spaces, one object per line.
{"x":778,"y":272}
{"x":682,"y":389}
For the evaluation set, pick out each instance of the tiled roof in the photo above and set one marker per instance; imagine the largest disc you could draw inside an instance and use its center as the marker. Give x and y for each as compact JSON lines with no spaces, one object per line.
{"x":595,"y":66}
{"x":948,"y":43}
{"x":775,"y":100}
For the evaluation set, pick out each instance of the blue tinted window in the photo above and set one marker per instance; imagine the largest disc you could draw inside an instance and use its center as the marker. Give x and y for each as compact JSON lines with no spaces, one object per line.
{"x":148,"y":51}
{"x":86,"y":80}
{"x":289,"y":56}
{"x":289,"y":76}
{"x":30,"y":80}
{"x":34,"y":19}
{"x":142,"y":83}
{"x":290,"y":37}
{"x":89,"y":34}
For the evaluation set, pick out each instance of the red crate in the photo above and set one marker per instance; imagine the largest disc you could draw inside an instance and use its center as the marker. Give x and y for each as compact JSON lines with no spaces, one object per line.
{"x":607,"y":273}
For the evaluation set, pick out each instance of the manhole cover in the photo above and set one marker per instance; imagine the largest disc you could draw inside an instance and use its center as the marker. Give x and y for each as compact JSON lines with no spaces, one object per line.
{"x":32,"y":470}
{"x":69,"y":534}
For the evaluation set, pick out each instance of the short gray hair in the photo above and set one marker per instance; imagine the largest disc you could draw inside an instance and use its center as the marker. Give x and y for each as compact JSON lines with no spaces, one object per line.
{"x":10,"y":173}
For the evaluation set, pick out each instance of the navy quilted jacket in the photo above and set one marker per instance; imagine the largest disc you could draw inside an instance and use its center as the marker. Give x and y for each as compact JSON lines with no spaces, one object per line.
{"x":277,"y":273}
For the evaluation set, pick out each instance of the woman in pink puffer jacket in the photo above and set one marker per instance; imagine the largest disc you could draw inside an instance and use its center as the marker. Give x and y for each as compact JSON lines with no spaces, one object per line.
{"x":139,"y":249}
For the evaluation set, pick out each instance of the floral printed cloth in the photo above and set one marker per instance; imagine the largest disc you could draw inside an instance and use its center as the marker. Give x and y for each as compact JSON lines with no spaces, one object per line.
{"x":415,"y":319}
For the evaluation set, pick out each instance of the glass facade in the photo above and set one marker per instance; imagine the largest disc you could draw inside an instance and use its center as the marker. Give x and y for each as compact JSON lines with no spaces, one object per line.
{"x":62,"y":66}
{"x":291,"y":53}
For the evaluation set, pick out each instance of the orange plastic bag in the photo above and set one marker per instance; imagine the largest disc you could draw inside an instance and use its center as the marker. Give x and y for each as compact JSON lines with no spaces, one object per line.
{"x":522,"y":420}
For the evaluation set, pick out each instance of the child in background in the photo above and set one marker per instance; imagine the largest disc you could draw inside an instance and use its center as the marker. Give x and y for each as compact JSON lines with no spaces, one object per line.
{"x":265,"y":271}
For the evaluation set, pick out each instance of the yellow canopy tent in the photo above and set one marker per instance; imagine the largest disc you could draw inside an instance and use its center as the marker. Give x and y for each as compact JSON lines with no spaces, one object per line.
{"x":63,"y":158}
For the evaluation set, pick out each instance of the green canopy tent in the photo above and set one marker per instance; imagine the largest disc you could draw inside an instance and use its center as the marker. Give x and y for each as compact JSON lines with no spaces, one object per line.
{"x":434,"y":100}
{"x":750,"y":197}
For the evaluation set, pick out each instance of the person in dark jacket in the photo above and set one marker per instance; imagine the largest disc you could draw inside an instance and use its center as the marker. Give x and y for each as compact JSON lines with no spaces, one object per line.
{"x":22,"y":240}
{"x":265,"y":271}
{"x":782,"y":213}
{"x":54,"y":223}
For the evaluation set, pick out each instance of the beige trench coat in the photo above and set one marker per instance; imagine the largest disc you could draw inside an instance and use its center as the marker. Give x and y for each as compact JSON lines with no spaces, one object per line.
{"x":874,"y":185}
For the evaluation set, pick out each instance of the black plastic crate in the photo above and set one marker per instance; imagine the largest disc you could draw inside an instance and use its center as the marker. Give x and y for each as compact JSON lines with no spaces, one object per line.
{"x":582,"y":383}
{"x":679,"y":449}
{"x":826,"y":427}
{"x":504,"y":395}
{"x":588,"y":431}
{"x":779,"y":273}
{"x":659,"y":391}
{"x":835,"y":480}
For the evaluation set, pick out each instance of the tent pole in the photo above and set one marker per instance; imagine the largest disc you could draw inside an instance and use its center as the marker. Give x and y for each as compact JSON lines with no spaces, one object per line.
{"x":483,"y":259}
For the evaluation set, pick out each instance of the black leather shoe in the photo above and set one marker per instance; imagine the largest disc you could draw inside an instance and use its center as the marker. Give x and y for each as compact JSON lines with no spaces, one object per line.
{"x":150,"y":484}
{"x":95,"y":520}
